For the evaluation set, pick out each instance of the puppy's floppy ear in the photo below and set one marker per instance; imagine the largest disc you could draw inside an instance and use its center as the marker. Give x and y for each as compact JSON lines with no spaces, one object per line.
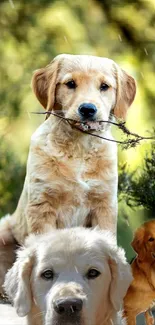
{"x":44,"y":84}
{"x":138,"y":243}
{"x":121,"y":278}
{"x":17,"y":282}
{"x":126,"y":91}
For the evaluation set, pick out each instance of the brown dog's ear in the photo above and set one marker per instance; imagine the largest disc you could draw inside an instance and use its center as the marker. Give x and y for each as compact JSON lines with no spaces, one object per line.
{"x":126,"y":91}
{"x":121,"y":278}
{"x":138,"y":243}
{"x":17,"y":282}
{"x":44,"y":84}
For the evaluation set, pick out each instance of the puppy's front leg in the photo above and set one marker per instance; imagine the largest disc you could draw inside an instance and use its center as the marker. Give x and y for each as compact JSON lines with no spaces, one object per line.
{"x":41,"y":217}
{"x":105,"y":214}
{"x":42,"y":207}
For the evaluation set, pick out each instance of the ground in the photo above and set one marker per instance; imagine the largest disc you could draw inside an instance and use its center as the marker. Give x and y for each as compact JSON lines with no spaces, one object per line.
{"x":8,"y":316}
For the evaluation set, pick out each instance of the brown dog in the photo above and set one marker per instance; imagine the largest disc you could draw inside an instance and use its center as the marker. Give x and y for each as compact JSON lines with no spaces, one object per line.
{"x":140,"y":296}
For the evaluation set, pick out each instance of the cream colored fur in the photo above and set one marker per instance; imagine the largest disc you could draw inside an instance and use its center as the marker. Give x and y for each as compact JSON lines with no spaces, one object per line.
{"x":72,"y":177}
{"x":70,"y":254}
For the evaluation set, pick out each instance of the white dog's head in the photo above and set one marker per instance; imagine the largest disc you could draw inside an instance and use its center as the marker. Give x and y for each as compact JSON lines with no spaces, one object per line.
{"x":84,"y":88}
{"x":71,"y":276}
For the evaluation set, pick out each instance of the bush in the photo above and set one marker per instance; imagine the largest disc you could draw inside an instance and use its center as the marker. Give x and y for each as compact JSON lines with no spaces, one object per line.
{"x":12,"y":174}
{"x":138,"y":188}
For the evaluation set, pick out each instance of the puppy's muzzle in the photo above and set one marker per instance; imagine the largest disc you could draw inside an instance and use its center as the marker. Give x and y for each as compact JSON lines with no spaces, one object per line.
{"x":68,"y":306}
{"x":87,"y":111}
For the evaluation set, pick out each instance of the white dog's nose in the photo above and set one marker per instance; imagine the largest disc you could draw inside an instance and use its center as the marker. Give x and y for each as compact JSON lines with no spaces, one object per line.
{"x":68,"y":305}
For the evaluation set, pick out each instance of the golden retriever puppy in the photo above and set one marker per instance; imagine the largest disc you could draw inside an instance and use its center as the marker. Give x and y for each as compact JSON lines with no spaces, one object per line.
{"x":141,"y":293}
{"x":71,"y":176}
{"x":69,"y":276}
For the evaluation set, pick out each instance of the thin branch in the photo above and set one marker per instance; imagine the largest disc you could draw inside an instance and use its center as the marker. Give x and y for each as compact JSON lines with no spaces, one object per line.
{"x":127,"y":143}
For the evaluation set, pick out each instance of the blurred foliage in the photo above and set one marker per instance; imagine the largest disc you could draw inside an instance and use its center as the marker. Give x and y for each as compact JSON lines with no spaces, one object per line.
{"x":137,"y":188}
{"x":12,"y":174}
{"x":32,"y":33}
{"x":135,"y":23}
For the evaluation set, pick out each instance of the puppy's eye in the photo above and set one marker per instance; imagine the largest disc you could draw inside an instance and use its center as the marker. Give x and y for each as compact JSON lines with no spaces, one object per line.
{"x":104,"y":87}
{"x":47,"y":275}
{"x":71,"y":84}
{"x":151,"y":239}
{"x":92,"y":274}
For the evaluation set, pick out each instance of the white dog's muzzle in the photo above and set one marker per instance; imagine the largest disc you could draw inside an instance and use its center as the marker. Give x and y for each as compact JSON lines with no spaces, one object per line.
{"x":67,"y":302}
{"x":68,"y":310}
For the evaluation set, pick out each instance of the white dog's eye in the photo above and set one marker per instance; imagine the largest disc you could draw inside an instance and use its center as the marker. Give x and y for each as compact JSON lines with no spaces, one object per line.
{"x":92,"y":274}
{"x":104,"y":87}
{"x":47,"y":275}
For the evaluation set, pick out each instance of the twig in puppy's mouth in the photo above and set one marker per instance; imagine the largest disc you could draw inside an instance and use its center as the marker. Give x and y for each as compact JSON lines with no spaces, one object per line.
{"x":84,"y":127}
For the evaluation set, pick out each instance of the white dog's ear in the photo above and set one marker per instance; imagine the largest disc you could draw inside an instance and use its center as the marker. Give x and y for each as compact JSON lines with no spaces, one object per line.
{"x":126,"y":91}
{"x":44,"y":84}
{"x":121,"y":278}
{"x":17,"y":282}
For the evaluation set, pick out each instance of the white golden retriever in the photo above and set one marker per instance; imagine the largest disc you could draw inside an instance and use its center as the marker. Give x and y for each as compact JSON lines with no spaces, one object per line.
{"x":70,"y":276}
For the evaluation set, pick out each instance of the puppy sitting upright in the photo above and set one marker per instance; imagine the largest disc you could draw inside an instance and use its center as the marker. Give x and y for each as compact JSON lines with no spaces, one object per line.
{"x":71,"y":176}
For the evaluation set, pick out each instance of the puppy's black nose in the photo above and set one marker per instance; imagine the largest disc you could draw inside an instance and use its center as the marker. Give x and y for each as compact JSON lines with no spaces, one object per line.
{"x":87,"y":110}
{"x":68,"y":305}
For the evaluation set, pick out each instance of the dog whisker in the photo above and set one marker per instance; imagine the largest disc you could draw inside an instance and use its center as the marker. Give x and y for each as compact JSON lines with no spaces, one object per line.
{"x":76,"y":269}
{"x":34,"y":301}
{"x":39,"y":314}
{"x":3,"y":241}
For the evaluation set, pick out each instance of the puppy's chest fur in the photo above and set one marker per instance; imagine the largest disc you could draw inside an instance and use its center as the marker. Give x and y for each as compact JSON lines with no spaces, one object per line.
{"x":71,"y":178}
